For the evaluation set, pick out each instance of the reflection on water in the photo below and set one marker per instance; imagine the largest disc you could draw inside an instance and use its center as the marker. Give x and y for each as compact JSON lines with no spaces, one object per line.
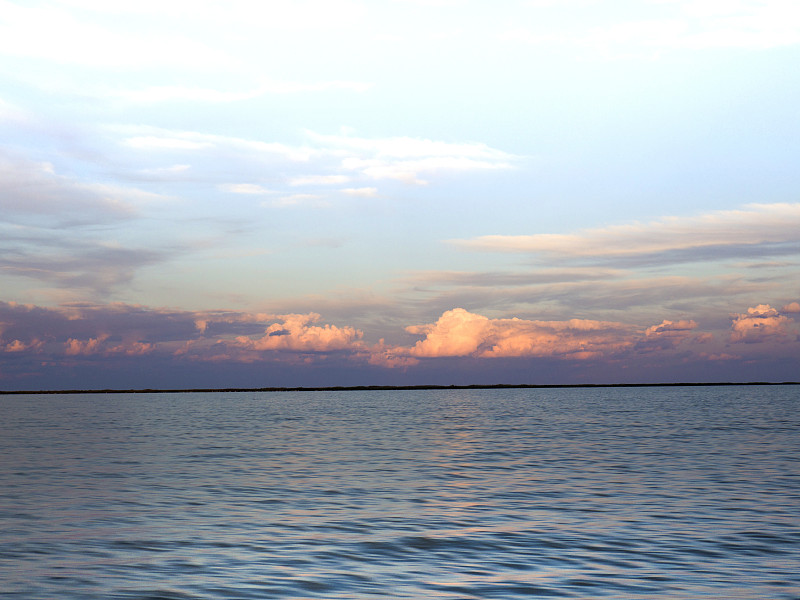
{"x":575,"y":493}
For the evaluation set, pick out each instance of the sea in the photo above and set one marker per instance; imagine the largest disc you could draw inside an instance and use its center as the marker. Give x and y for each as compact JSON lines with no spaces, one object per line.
{"x":617,"y":493}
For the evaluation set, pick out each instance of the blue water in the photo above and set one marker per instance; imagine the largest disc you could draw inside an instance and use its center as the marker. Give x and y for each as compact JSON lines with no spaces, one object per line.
{"x":627,"y":493}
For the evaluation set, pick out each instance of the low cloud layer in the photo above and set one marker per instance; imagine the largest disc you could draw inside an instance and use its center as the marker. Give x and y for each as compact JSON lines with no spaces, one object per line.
{"x":120,"y":334}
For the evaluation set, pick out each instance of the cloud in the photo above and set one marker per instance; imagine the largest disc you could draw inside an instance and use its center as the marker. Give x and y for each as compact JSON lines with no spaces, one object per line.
{"x":129,"y":338}
{"x":406,"y":159}
{"x":679,"y":25}
{"x":64,"y":36}
{"x":671,"y":328}
{"x":496,"y":279}
{"x":338,"y":159}
{"x":669,"y":334}
{"x":74,"y":262}
{"x":296,"y":200}
{"x":793,"y":307}
{"x":252,"y":189}
{"x":319,"y":180}
{"x":297,"y":333}
{"x":158,"y":139}
{"x":461,"y":333}
{"x":759,"y":324}
{"x":152,"y":142}
{"x":362,"y":192}
{"x":165,"y":173}
{"x":735,"y":231}
{"x":34,"y":189}
{"x":176,"y":93}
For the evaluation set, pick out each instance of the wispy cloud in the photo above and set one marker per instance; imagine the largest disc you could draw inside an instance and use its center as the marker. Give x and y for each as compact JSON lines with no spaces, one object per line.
{"x":735,"y":230}
{"x":407,"y":159}
{"x":34,"y":189}
{"x":174,"y":93}
{"x":663,"y":26}
{"x":249,"y":189}
{"x":58,"y":34}
{"x":89,"y":266}
{"x":362,"y":192}
{"x":319,"y":180}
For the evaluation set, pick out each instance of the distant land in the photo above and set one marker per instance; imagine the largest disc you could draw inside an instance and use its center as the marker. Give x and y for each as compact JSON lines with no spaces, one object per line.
{"x":367,"y":388}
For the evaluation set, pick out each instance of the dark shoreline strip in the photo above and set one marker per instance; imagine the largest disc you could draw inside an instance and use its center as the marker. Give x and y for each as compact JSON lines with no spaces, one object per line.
{"x":367,"y":388}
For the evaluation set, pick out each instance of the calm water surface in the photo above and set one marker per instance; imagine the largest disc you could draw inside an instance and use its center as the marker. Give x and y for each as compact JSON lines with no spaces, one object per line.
{"x":627,"y":493}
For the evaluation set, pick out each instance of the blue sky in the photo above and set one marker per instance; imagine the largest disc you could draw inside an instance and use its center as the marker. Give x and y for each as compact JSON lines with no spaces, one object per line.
{"x":413,"y":190}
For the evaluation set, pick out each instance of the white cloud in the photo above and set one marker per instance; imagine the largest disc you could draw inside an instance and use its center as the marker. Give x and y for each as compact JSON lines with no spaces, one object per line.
{"x":651,"y":28}
{"x":245,"y":188}
{"x":71,"y":37}
{"x":166,"y":171}
{"x":406,"y":159}
{"x":296,"y":200}
{"x":363,"y":192}
{"x":319,"y":180}
{"x":403,"y":159}
{"x":152,"y":142}
{"x":155,"y":138}
{"x":174,"y":93}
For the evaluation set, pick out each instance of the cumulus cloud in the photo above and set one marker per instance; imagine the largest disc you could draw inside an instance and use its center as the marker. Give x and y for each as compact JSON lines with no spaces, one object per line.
{"x":792,"y":307}
{"x":298,"y":333}
{"x":760,"y":323}
{"x":461,"y":333}
{"x":31,"y":336}
{"x":668,"y":334}
{"x":755,"y":224}
{"x":80,"y":330}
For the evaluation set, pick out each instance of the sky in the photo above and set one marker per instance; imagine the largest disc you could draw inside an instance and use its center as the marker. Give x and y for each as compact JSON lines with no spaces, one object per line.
{"x":398,"y":192}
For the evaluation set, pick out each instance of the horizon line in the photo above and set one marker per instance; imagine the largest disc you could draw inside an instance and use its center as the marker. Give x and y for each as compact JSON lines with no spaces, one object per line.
{"x":367,"y":388}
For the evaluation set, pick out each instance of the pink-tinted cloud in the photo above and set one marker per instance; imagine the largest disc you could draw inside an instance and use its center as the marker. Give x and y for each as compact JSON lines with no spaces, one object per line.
{"x":382,"y":355}
{"x":461,"y":333}
{"x":75,"y":347}
{"x":759,"y":324}
{"x":20,"y":346}
{"x":792,"y":307}
{"x":296,"y":333}
{"x":752,"y":225}
{"x":671,"y":328}
{"x":101,"y":346}
{"x":140,"y":339}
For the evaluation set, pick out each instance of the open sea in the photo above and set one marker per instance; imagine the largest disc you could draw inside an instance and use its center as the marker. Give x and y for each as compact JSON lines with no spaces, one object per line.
{"x":618,"y":493}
